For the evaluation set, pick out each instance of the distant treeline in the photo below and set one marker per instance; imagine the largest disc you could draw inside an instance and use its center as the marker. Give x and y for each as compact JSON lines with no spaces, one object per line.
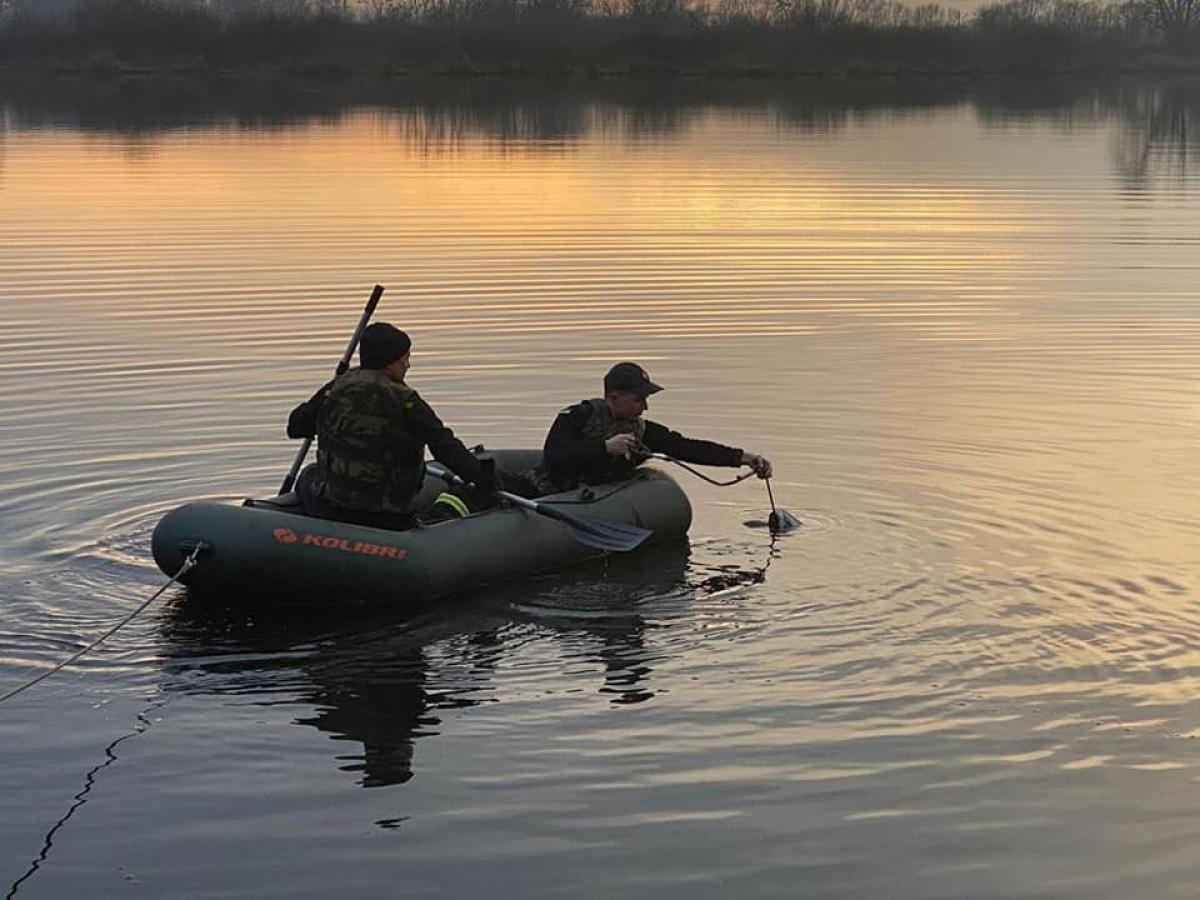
{"x":598,"y":37}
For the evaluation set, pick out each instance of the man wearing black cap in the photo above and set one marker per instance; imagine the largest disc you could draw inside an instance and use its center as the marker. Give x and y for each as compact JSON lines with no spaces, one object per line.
{"x":605,"y":439}
{"x":372,"y":430}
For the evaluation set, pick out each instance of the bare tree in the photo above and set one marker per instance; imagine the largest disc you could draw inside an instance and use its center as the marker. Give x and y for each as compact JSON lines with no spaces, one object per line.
{"x":1177,"y":18}
{"x":379,"y":9}
{"x":240,"y":8}
{"x":813,"y":12}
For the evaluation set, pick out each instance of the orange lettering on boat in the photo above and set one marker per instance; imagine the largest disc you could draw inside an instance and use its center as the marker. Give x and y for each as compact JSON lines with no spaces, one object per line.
{"x":329,"y":542}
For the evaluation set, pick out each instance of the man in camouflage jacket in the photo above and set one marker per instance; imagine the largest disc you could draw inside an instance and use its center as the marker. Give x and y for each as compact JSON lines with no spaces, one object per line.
{"x":372,"y":430}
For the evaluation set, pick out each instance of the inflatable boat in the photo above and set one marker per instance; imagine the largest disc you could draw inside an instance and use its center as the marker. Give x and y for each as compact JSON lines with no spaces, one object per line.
{"x":271,"y":546}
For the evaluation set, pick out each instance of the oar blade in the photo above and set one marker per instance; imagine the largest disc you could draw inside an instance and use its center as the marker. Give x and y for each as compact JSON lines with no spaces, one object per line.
{"x":607,"y":535}
{"x":614,"y":536}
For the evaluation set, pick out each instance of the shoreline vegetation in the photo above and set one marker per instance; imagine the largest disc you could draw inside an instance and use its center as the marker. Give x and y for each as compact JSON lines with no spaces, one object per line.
{"x":333,"y":39}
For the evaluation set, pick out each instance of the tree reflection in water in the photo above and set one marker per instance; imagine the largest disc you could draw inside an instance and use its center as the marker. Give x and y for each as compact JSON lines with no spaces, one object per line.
{"x":1154,"y":117}
{"x":1158,"y":137}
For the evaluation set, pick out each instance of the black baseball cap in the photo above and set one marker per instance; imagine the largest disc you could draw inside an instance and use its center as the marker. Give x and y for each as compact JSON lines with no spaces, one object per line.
{"x":631,"y":377}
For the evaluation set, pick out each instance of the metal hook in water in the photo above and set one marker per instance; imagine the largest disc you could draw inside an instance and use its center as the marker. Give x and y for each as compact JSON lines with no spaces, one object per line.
{"x":780,"y":520}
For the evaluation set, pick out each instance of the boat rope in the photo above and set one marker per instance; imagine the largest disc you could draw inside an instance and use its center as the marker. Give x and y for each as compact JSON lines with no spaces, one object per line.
{"x":188,"y":565}
{"x":736,"y":480}
{"x":80,"y":798}
{"x":780,"y":520}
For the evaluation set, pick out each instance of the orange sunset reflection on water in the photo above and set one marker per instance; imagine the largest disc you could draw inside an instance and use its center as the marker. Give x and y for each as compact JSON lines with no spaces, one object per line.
{"x":962,"y":325}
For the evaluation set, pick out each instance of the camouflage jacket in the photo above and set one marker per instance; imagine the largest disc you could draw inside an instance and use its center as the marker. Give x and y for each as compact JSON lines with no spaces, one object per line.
{"x":371,"y":438}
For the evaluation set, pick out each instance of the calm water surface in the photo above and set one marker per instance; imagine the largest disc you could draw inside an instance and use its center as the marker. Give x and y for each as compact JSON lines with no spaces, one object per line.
{"x":963,"y":322}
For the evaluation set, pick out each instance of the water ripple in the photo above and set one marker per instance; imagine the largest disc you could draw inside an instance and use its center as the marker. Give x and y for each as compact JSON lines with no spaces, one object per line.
{"x":967,"y":348}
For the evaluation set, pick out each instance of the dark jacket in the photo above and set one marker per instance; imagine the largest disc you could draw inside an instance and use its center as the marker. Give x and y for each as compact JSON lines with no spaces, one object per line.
{"x":302,"y":421}
{"x":574,"y":449}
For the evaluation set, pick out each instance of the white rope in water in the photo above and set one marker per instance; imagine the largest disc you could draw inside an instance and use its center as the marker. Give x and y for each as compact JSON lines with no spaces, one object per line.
{"x":188,"y":565}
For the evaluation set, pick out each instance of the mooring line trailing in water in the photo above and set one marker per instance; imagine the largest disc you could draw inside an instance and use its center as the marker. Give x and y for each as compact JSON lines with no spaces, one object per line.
{"x":188,"y":565}
{"x":80,"y":798}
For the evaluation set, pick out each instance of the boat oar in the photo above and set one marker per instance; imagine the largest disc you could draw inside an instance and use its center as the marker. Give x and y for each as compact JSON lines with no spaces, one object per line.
{"x":589,"y":532}
{"x":594,"y":533}
{"x":342,"y":366}
{"x":779,"y":521}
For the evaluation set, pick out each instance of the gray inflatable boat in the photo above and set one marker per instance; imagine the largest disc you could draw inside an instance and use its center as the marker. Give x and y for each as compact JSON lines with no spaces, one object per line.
{"x":270,"y":546}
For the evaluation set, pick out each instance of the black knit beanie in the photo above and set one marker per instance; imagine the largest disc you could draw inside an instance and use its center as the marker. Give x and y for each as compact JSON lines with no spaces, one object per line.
{"x":382,"y":344}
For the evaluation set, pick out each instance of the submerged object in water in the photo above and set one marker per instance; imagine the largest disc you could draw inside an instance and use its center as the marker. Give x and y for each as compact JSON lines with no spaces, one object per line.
{"x":271,"y":546}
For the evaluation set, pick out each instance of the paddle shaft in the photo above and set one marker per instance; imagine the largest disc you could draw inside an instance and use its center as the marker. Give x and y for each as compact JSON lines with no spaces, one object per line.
{"x":515,"y":499}
{"x":771,"y":497}
{"x":342,"y":366}
{"x":594,"y":533}
{"x":534,"y":506}
{"x":445,"y":474}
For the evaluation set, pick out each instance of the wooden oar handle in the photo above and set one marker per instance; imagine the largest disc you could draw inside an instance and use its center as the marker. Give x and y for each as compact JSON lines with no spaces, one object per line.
{"x":364,"y":319}
{"x":342,"y":366}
